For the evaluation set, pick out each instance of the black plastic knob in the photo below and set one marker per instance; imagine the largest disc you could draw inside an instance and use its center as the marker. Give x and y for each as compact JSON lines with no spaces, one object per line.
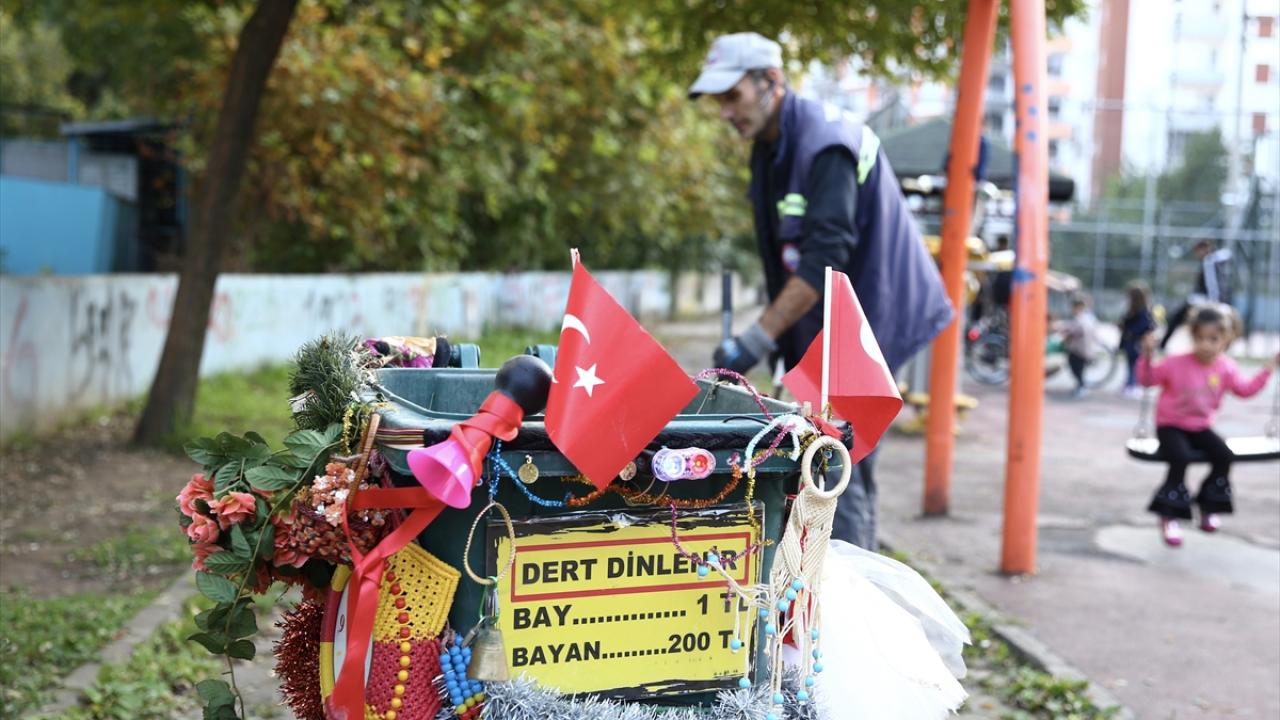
{"x":527,"y":380}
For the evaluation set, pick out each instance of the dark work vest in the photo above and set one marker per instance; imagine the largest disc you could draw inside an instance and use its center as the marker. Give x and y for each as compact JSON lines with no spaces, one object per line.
{"x":892,"y":272}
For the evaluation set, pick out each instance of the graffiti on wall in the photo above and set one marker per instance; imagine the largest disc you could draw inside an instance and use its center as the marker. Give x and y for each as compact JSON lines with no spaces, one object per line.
{"x":69,"y":344}
{"x":99,"y":367}
{"x":159,"y":310}
{"x":20,"y":366}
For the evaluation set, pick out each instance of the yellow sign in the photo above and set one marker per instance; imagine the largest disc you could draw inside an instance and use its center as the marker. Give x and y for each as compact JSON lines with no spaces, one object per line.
{"x":605,"y":602}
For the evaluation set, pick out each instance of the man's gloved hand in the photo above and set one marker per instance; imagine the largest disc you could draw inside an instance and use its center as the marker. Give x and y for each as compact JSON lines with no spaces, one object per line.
{"x":741,"y":353}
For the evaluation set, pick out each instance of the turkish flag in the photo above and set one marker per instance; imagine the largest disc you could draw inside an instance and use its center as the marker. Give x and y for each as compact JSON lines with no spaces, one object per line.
{"x":615,"y":387}
{"x":860,"y":387}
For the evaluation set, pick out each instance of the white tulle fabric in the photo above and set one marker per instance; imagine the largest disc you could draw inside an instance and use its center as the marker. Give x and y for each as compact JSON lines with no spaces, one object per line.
{"x":891,"y":646}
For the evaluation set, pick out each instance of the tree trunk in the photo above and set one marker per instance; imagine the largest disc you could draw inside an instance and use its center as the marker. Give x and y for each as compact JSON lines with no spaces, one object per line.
{"x":172,"y":397}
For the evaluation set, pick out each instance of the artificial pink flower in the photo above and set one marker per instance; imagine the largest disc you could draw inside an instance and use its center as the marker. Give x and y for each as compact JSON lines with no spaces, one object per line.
{"x":203,"y":529}
{"x":234,"y":508}
{"x":197,"y":488}
{"x":202,"y":550}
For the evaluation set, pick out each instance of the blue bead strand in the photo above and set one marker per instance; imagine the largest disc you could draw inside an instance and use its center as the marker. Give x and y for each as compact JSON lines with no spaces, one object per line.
{"x":503,"y":465}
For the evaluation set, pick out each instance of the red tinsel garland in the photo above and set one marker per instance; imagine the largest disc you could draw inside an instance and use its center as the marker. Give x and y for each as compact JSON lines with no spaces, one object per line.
{"x":298,"y":660}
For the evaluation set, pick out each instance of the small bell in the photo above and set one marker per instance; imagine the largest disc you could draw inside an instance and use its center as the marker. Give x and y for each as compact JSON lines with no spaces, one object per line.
{"x":488,"y":656}
{"x":488,"y":652}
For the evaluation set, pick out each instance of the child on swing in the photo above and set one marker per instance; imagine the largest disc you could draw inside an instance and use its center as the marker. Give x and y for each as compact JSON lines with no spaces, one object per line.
{"x":1191,"y":389}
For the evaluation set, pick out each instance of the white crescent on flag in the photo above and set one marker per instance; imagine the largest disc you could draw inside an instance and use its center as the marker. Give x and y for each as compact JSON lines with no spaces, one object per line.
{"x":572,"y":322}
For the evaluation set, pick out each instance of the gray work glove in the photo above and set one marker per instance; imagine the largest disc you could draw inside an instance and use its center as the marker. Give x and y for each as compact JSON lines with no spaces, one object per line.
{"x":741,"y":353}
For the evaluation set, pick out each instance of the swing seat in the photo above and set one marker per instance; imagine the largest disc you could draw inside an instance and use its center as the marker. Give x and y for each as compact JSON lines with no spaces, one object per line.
{"x":1251,"y":448}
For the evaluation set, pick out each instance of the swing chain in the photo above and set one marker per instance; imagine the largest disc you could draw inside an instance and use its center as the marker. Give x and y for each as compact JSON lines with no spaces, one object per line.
{"x":1143,"y":429}
{"x":1272,"y":428}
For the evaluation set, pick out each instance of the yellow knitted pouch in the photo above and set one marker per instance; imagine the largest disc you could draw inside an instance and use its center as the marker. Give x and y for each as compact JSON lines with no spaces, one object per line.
{"x":416,"y":585}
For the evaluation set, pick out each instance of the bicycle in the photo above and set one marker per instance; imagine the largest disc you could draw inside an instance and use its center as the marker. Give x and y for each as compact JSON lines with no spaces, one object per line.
{"x":987,"y":354}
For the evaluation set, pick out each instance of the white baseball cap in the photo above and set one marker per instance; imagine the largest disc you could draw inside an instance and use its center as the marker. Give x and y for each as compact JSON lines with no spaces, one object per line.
{"x":730,"y":57}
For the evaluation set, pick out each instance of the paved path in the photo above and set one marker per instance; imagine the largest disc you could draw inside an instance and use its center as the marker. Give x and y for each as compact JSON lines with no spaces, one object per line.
{"x":1188,"y":633}
{"x":1174,"y":634}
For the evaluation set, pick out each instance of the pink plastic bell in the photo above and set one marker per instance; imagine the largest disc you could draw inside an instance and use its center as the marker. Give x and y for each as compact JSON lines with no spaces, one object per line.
{"x":444,"y":469}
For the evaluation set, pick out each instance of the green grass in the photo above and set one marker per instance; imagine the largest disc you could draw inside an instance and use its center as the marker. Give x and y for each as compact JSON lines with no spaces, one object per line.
{"x":240,"y":402}
{"x":46,"y":639}
{"x":1034,"y":694}
{"x":259,"y":400}
{"x":236,"y":402}
{"x":136,"y":550}
{"x":156,"y":681}
{"x":498,"y":346}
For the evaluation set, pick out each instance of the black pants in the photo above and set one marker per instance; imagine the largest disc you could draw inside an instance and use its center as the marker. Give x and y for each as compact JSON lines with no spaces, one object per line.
{"x":1077,"y":363}
{"x":1173,"y":500}
{"x":855,"y":520}
{"x":1179,"y":317}
{"x":1131,"y":355}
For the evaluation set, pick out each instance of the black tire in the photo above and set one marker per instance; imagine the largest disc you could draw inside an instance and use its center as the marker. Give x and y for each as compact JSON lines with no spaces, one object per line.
{"x":987,"y":359}
{"x":1101,"y":369}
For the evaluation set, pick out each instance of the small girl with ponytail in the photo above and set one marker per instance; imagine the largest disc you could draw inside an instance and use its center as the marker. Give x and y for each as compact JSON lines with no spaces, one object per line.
{"x":1192,"y":386}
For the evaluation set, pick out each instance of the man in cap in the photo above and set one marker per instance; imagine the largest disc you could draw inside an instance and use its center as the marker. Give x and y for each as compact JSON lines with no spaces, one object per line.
{"x":1213,"y":284}
{"x":823,"y":194}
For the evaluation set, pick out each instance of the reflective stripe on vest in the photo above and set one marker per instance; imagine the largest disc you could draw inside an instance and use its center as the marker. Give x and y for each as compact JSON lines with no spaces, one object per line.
{"x":792,"y":204}
{"x":868,"y":151}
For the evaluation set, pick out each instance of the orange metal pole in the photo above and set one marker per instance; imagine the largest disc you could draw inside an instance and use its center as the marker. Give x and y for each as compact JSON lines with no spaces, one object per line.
{"x":979,"y":31}
{"x":1028,"y":304}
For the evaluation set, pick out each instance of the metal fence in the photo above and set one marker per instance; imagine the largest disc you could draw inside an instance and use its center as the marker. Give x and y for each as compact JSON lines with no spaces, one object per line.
{"x":1118,"y":242}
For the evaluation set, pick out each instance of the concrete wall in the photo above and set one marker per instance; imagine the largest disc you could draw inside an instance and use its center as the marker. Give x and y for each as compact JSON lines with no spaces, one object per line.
{"x":69,"y":344}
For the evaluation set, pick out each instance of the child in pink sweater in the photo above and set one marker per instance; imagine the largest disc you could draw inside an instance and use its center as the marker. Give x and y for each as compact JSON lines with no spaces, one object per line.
{"x":1191,"y":391}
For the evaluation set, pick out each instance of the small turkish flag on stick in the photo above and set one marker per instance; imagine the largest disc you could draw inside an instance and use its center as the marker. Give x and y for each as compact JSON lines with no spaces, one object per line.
{"x":615,"y":387}
{"x":854,"y":377}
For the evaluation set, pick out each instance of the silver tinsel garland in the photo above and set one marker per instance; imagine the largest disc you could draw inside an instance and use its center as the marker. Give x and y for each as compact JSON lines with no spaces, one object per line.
{"x":524,"y":700}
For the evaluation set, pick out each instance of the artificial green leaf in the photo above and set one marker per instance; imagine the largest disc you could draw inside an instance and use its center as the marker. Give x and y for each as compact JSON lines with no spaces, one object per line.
{"x":305,"y":442}
{"x":241,"y":650}
{"x":215,"y":692}
{"x":257,"y":455}
{"x":267,"y":540}
{"x":213,"y":641}
{"x":232,"y":446}
{"x":332,"y":433}
{"x":220,"y":712}
{"x":295,"y":460}
{"x":225,"y":563}
{"x":243,"y":623}
{"x":204,"y":451}
{"x":215,"y":587}
{"x":270,"y":478}
{"x":202,"y":619}
{"x":240,"y":544}
{"x":225,"y":477}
